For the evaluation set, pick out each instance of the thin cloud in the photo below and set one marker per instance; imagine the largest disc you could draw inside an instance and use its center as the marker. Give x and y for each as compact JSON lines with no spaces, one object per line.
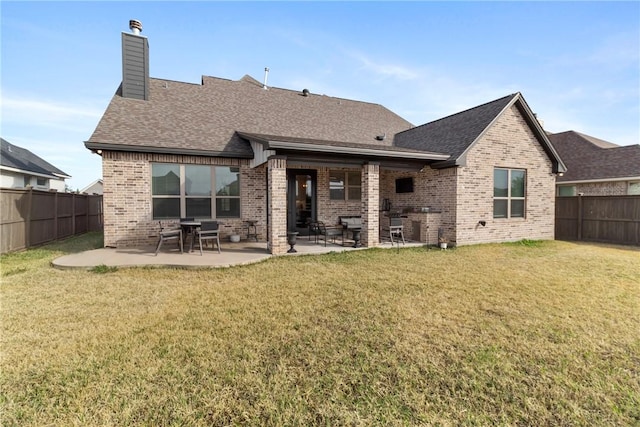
{"x":384,"y":69}
{"x":33,"y":107}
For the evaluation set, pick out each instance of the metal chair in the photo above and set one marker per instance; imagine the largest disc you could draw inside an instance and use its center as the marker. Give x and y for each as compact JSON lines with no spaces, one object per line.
{"x":396,"y":229}
{"x":169,"y":234}
{"x":209,"y":230}
{"x":330,"y":232}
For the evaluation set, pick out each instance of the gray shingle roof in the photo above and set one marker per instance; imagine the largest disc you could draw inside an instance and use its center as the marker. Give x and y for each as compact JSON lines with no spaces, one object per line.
{"x":455,"y":133}
{"x":205,"y":118}
{"x":589,"y":158}
{"x":15,"y":157}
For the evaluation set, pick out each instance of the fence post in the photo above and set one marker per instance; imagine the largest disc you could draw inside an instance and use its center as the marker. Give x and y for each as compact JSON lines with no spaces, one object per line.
{"x":27,"y":230}
{"x":56,"y":223}
{"x":74,"y":215}
{"x":579,"y":216}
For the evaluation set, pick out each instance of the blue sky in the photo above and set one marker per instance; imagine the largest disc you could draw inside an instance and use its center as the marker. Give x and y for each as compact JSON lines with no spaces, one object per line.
{"x":576,"y":63}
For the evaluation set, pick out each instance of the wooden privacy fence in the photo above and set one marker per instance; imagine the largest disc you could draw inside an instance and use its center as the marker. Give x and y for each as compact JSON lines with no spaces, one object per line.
{"x":31,"y":217}
{"x":610,"y":219}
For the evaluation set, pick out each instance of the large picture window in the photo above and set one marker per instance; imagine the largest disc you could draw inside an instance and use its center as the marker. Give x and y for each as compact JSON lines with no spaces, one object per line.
{"x":345,"y":185}
{"x":509,"y":193}
{"x":187,"y":191}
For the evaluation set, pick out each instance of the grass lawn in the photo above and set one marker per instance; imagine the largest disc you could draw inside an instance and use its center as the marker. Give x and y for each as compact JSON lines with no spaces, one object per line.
{"x":542,"y":333}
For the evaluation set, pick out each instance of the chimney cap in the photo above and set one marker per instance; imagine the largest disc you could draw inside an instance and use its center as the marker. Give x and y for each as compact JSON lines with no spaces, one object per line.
{"x":135,"y":26}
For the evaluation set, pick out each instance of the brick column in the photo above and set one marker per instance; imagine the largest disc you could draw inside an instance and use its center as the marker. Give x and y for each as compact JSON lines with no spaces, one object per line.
{"x":370,"y":204}
{"x":277,"y":187}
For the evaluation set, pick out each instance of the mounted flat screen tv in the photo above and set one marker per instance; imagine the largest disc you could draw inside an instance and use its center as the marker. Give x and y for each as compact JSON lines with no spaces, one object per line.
{"x":404,"y":185}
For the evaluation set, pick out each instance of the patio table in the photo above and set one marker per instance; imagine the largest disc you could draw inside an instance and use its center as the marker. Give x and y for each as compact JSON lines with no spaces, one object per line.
{"x":191,"y":227}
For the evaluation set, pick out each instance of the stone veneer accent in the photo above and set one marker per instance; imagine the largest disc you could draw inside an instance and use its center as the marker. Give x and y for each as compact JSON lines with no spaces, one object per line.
{"x":508,"y":143}
{"x":128,"y":220}
{"x":277,"y":167}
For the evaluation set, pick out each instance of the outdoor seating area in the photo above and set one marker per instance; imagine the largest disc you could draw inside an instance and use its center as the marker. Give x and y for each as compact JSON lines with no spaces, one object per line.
{"x":188,"y":230}
{"x":348,"y":228}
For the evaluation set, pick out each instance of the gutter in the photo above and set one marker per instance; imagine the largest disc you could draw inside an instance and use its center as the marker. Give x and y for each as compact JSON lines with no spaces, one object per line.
{"x":99,"y":147}
{"x":355,"y":151}
{"x":594,"y":181}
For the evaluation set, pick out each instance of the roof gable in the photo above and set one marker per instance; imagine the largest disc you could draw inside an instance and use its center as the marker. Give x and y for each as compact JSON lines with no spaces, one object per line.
{"x":457,"y":133}
{"x":23,"y":160}
{"x":589,"y":158}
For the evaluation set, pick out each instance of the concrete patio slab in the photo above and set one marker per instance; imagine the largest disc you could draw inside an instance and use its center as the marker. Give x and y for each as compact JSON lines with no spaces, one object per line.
{"x":232,"y":254}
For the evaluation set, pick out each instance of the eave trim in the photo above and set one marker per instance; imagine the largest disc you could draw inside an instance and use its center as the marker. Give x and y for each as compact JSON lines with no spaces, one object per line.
{"x":95,"y":146}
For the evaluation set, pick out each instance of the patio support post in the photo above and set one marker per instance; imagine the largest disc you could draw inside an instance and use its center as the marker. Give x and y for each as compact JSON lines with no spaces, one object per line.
{"x":277,"y":233}
{"x":370,"y":204}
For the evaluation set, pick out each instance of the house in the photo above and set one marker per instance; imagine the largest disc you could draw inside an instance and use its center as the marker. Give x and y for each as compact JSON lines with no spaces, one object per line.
{"x":20,"y":168}
{"x":96,"y":187}
{"x":238,"y":150}
{"x":596,"y":167}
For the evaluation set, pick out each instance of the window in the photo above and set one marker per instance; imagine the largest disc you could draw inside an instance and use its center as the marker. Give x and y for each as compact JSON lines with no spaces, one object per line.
{"x":345,"y":185}
{"x":566,"y":190}
{"x":41,"y":182}
{"x":634,"y":187}
{"x":187,"y":191}
{"x":509,"y":190}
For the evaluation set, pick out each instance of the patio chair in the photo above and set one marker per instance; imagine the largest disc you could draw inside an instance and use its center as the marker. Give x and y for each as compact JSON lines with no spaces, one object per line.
{"x":314,"y":229}
{"x":167,"y":234}
{"x":330,"y":232}
{"x":396,"y":229}
{"x":209,"y":230}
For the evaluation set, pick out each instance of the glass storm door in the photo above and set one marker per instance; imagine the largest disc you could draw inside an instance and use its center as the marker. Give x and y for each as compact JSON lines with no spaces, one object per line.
{"x":301,"y":200}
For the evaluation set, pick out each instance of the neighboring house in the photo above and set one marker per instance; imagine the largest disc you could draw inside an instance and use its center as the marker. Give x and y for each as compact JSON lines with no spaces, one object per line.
{"x":596,"y":167}
{"x":239,"y":150}
{"x":96,"y":187}
{"x":20,"y":168}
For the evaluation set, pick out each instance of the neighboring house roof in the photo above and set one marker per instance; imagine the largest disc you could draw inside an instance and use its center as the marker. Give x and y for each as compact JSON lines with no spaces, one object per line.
{"x":457,"y":133}
{"x":592,"y":159}
{"x":21,"y":160}
{"x":204,"y":119}
{"x":94,"y":188}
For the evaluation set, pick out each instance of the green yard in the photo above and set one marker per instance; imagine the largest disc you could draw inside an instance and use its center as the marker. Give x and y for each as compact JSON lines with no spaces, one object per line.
{"x":533,"y":333}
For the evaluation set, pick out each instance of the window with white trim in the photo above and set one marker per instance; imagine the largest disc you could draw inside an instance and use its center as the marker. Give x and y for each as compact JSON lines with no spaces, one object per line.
{"x":197,"y":191}
{"x":509,"y":193}
{"x":345,"y":185}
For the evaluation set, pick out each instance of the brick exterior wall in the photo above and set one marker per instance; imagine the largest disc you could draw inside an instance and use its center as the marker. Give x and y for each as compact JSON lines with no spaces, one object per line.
{"x":509,"y":143}
{"x":329,"y":210}
{"x":277,"y":205}
{"x":617,"y":188}
{"x":462,"y":195}
{"x":432,"y":188}
{"x":370,"y":180}
{"x":128,"y":220}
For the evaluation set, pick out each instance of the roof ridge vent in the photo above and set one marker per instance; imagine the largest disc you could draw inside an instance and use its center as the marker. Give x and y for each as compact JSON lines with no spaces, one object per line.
{"x":305,"y":92}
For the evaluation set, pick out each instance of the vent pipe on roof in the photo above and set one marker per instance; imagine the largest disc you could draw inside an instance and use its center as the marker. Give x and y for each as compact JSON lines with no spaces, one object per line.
{"x":305,"y":92}
{"x":266,"y":76}
{"x":135,"y":26}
